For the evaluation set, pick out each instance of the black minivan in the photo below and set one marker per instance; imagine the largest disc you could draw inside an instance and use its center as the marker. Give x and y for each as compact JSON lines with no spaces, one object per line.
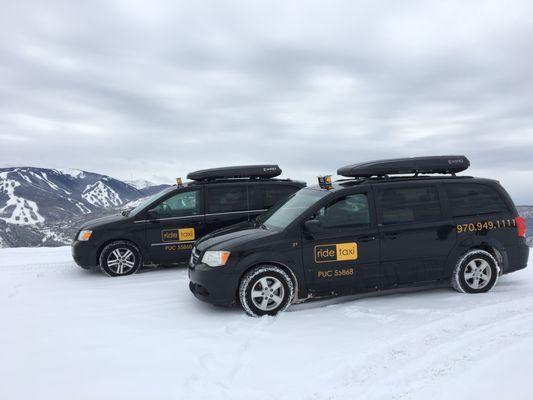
{"x":164,"y":228}
{"x":392,"y":224}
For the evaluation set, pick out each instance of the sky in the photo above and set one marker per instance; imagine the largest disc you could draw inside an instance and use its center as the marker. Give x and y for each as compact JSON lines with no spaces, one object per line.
{"x":154,"y":89}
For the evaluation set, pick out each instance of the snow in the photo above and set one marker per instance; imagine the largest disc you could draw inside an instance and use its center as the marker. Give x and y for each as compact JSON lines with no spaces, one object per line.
{"x":58,"y":237}
{"x":140,"y":183}
{"x":17,"y":210}
{"x":25,"y":177}
{"x":52,"y":184}
{"x":69,"y":333}
{"x":82,"y":207}
{"x":100,"y":195}
{"x":134,"y":203}
{"x":75,"y":173}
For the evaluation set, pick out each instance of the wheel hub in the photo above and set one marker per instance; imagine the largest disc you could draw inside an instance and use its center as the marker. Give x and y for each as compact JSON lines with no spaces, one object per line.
{"x":121,"y":261}
{"x":267,"y":293}
{"x":477,"y":273}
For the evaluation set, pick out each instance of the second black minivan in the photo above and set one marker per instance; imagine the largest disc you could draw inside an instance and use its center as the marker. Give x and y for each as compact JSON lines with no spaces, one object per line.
{"x":164,"y":228}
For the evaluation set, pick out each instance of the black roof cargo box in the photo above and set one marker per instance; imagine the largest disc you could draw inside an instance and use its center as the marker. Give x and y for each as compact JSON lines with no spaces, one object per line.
{"x":243,"y":171}
{"x":411,"y":165}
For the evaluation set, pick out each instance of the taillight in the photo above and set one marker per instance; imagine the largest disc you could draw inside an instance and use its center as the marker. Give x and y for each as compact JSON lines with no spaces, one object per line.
{"x":521,"y":225}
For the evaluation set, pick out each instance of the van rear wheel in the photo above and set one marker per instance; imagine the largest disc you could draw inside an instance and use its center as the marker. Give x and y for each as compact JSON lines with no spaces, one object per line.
{"x":265,"y":290}
{"x":120,"y":258}
{"x":476,"y":272}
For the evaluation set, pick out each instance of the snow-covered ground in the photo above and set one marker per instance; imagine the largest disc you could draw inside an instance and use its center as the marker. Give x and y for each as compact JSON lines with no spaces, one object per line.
{"x":67,"y":333}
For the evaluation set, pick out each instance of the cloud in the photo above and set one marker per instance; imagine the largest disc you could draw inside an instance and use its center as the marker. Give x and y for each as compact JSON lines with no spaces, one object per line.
{"x":154,"y":89}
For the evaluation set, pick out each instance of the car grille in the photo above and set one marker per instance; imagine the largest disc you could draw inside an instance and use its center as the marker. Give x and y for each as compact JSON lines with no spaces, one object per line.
{"x":195,"y":256}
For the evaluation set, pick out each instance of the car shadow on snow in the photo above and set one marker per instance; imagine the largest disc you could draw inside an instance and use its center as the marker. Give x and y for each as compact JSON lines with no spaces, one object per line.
{"x":506,"y":284}
{"x":325,"y":302}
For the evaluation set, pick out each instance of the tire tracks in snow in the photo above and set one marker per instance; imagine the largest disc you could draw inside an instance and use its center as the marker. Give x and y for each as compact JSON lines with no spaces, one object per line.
{"x":438,"y":349}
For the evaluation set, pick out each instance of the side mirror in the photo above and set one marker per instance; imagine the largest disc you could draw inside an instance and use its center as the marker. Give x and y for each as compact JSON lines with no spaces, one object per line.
{"x":152,"y":214}
{"x":313,"y":225}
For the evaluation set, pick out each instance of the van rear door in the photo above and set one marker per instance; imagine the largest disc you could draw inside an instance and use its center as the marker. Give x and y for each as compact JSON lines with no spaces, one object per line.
{"x":416,"y":235}
{"x":225,"y":204}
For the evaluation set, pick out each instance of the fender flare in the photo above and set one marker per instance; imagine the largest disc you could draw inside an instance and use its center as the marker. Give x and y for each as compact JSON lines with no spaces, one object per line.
{"x":494,"y":247}
{"x":254,"y":259}
{"x":140,"y":249}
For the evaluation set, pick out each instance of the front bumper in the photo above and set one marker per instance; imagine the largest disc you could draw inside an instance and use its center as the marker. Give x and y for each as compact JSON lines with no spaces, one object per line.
{"x":84,"y":254}
{"x":213,"y":285}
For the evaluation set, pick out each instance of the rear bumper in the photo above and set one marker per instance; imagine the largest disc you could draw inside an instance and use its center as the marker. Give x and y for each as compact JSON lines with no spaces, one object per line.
{"x":84,"y":254}
{"x":213,"y":285}
{"x":517,"y":257}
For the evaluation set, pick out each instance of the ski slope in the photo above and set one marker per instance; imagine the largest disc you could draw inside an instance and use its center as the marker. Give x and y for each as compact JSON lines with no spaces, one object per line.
{"x":70,"y":334}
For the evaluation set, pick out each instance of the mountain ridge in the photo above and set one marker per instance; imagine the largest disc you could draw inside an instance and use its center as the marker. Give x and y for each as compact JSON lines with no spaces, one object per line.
{"x":42,"y":205}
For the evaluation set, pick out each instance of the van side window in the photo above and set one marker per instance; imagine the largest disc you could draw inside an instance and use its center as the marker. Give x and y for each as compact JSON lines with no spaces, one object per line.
{"x":474,"y":198}
{"x":411,"y":204}
{"x":183,"y":204}
{"x":346,"y":212}
{"x":264,"y":196}
{"x":226,"y":199}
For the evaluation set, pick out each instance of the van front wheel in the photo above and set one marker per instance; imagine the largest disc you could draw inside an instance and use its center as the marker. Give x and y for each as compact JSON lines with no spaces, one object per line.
{"x":475,"y":272}
{"x":265,"y":290}
{"x":120,"y":258}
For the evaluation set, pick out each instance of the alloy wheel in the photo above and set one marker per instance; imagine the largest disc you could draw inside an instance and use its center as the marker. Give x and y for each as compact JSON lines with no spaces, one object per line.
{"x":121,"y":260}
{"x":477,"y":273}
{"x":267,"y":293}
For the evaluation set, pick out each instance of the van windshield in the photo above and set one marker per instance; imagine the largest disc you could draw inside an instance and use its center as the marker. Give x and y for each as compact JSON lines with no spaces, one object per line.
{"x":148,"y":200}
{"x":284,"y":213}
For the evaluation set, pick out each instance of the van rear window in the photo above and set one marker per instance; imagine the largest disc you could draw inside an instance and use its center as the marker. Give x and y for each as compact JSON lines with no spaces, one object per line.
{"x":411,"y":204}
{"x":473,"y":199}
{"x":264,"y":196}
{"x":222,"y":199}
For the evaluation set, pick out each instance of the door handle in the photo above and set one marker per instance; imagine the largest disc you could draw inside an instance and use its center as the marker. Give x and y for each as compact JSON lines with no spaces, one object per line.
{"x":368,"y":238}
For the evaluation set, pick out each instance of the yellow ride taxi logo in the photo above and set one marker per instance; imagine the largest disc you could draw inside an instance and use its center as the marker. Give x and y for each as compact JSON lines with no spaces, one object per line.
{"x":336,"y":252}
{"x":177,"y":235}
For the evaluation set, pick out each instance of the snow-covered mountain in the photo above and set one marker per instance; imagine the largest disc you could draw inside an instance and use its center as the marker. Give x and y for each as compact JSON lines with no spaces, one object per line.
{"x":38,"y":205}
{"x":140,"y":183}
{"x":147,"y":187}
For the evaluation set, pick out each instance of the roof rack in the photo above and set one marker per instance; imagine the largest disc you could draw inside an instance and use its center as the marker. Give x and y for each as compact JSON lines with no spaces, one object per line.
{"x":243,"y":171}
{"x":411,"y":165}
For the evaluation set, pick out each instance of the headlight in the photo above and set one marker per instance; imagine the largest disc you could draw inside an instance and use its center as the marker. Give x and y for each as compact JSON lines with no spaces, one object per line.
{"x":84,"y":235}
{"x":215,"y":258}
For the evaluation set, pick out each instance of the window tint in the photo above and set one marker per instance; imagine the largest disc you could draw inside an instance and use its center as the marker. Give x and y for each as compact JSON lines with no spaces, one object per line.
{"x":415,"y":204}
{"x":226,"y":199}
{"x":285,"y":212}
{"x":265,"y":196}
{"x":150,"y":200}
{"x":180,"y":205}
{"x":472,"y":199}
{"x":346,"y":212}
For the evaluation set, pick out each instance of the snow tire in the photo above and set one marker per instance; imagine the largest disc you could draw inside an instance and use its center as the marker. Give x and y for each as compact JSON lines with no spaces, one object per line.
{"x":463,"y":273}
{"x":269,"y":283}
{"x":120,"y":258}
